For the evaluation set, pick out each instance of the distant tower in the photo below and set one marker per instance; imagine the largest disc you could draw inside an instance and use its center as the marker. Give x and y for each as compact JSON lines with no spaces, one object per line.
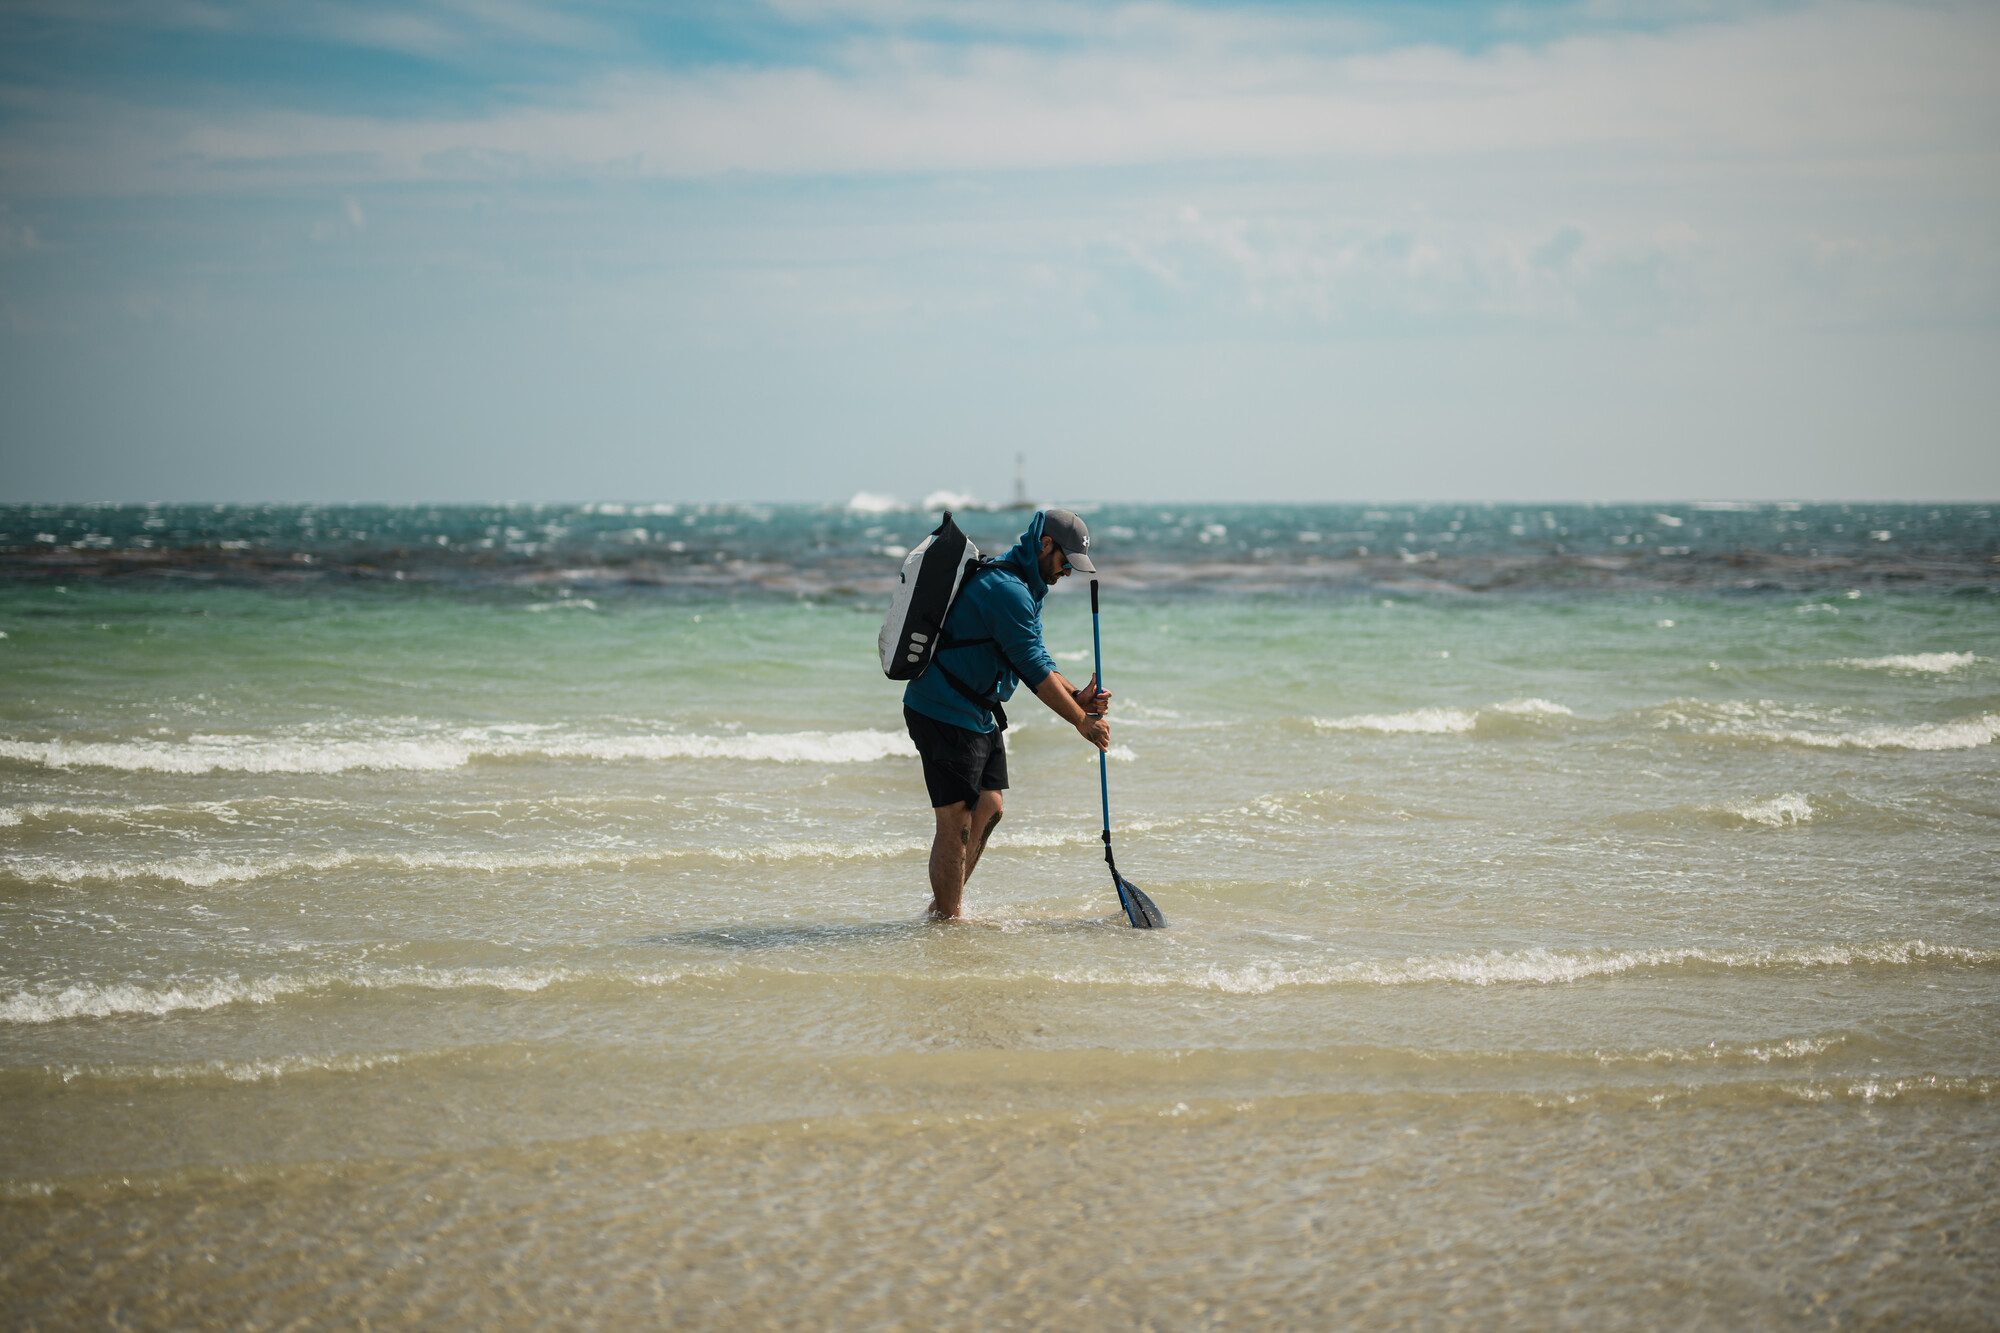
{"x":1021,"y":500}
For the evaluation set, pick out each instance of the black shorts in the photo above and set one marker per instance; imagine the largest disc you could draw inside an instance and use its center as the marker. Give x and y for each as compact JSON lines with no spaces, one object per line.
{"x":958,"y":764}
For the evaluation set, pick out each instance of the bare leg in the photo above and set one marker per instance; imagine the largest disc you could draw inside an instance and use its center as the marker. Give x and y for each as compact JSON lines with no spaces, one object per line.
{"x":985,"y":816}
{"x":954,"y":830}
{"x":955,"y":851}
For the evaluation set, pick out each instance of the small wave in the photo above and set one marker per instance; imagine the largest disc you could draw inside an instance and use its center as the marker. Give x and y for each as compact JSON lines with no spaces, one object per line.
{"x":1774,"y":723}
{"x":92,"y":1001}
{"x":1964,"y":734}
{"x":232,"y":1071}
{"x":1774,"y":811}
{"x":1934,"y":662}
{"x":1533,"y":708}
{"x":1441,"y":721}
{"x":1786,"y":810}
{"x":817,"y":850}
{"x":206,"y":872}
{"x":85,"y":1000}
{"x":154,"y":815}
{"x":253,"y":754}
{"x":568,"y":604}
{"x":240,"y":754}
{"x":11,"y":815}
{"x":1425,"y":721}
{"x":88,"y":1000}
{"x":197,"y":872}
{"x":1542,"y":966}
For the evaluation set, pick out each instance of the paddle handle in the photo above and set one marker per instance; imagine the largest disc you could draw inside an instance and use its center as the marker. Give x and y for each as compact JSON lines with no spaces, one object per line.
{"x":1097,"y":663}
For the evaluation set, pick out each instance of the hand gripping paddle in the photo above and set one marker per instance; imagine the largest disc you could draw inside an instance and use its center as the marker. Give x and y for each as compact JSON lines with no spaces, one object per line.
{"x":1139,"y":909}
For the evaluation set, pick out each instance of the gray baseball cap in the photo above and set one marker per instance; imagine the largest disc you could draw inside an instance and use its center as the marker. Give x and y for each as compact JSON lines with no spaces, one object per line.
{"x":1071,"y":536}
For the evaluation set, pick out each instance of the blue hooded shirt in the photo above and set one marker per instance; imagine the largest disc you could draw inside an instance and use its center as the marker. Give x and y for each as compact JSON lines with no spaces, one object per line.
{"x":1003,"y":604}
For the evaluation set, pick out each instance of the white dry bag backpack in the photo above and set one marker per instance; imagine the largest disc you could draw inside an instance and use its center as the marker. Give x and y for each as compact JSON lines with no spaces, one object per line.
{"x":932,"y":575}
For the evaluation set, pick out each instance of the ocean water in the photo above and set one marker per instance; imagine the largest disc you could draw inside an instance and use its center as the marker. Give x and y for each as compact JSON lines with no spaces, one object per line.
{"x":510,"y":917}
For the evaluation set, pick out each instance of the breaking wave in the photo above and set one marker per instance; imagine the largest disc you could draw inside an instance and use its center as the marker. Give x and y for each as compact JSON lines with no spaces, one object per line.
{"x":201,"y":872}
{"x":1773,"y":811}
{"x":197,"y":872}
{"x":1935,"y":662}
{"x":1964,"y":734}
{"x":1423,"y":721}
{"x":1441,"y":721}
{"x":257,"y":754}
{"x":1770,"y":722}
{"x":1733,"y":720}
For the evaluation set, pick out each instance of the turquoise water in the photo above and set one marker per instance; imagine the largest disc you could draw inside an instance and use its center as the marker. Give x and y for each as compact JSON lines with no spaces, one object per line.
{"x":540,"y":941}
{"x":839,"y":550}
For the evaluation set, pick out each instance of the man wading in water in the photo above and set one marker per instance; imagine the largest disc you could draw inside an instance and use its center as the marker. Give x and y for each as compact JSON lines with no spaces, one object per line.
{"x":992,"y":639}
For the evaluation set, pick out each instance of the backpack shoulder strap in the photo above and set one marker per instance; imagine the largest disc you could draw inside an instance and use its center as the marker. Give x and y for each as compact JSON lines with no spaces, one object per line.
{"x":973,"y":570}
{"x":985,"y":700}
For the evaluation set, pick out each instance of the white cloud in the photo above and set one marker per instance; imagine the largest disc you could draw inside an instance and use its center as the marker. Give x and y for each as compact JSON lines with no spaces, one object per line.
{"x":1830,"y":87}
{"x":1830,"y":166}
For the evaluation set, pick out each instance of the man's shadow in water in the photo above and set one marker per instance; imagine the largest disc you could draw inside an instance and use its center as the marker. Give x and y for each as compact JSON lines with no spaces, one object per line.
{"x":787,"y":935}
{"x":792,"y":935}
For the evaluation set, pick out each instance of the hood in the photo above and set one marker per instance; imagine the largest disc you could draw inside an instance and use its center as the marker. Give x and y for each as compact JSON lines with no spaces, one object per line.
{"x":1025,"y":558}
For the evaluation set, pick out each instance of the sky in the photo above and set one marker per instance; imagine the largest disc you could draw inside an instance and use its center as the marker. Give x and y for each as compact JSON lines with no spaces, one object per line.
{"x":789,"y":250}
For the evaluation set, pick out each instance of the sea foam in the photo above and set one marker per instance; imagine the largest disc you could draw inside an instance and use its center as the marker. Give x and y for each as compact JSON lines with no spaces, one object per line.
{"x":1964,"y":734}
{"x":197,"y":872}
{"x":1424,"y":721}
{"x":1785,"y":724}
{"x":1774,"y":811}
{"x":11,"y":815}
{"x":1532,"y":708}
{"x":1538,"y":966}
{"x":260,"y":754}
{"x":51,"y":1004}
{"x":232,"y":1071}
{"x":1933,"y":662}
{"x":201,"y":872}
{"x":1440,"y":721}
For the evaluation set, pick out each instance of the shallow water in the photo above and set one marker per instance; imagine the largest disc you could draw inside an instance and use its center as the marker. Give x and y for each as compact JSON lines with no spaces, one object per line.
{"x":455,"y":949}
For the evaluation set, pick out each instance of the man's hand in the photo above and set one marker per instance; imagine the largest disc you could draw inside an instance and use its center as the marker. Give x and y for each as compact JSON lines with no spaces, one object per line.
{"x":1062,"y":701}
{"x":1092,"y":698}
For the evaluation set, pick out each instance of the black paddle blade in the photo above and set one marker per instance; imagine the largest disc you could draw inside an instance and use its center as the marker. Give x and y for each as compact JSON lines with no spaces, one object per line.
{"x":1139,"y":909}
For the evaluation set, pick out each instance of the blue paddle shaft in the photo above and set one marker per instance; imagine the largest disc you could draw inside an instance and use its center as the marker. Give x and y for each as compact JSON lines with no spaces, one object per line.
{"x":1097,"y":664}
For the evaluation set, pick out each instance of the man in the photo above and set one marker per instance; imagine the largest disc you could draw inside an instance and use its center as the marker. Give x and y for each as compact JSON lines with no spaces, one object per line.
{"x":992,"y":639}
